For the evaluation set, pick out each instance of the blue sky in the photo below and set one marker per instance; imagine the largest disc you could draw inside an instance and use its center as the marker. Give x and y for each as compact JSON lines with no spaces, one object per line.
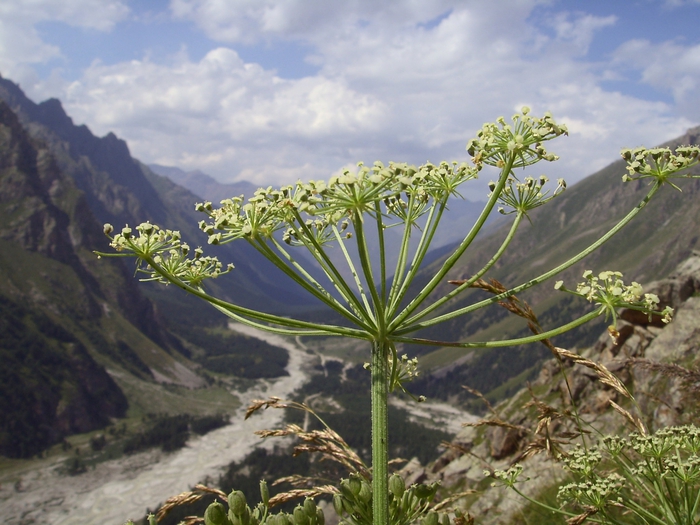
{"x":271,"y":91}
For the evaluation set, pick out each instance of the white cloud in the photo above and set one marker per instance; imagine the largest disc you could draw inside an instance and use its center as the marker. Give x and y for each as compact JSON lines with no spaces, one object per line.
{"x":578,"y":30}
{"x":20,"y":42}
{"x":310,"y":20}
{"x":402,"y":80}
{"x":667,"y":66}
{"x":223,"y":115}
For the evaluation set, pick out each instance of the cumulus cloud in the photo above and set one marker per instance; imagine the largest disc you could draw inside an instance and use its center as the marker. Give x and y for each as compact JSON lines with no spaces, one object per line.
{"x":399,"y":80}
{"x":224,"y":115}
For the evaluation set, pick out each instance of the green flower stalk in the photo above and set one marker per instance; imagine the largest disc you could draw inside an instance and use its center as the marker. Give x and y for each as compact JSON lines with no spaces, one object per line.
{"x":360,"y":204}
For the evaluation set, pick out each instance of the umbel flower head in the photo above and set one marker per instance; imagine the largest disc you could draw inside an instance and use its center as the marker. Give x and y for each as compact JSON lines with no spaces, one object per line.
{"x":609,"y":291}
{"x":309,"y":212}
{"x":527,"y":195}
{"x":496,"y":141}
{"x":158,"y":250}
{"x":660,"y":164}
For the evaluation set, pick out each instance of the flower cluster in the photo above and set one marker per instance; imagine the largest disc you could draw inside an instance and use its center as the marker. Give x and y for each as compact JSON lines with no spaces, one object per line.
{"x":527,"y":195}
{"x":582,"y":461}
{"x":596,"y":493}
{"x":312,"y":213}
{"x":608,"y":290}
{"x":507,"y":478}
{"x":495,"y":142}
{"x":656,"y":477}
{"x":161,"y":252}
{"x":404,"y":370}
{"x":660,"y":163}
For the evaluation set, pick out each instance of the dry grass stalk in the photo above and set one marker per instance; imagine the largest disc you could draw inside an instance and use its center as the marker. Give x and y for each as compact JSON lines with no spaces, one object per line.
{"x":577,"y":520}
{"x":326,"y":442}
{"x":446,"y":502}
{"x":513,"y":305}
{"x":496,"y":422}
{"x":605,"y":376}
{"x":186,"y":498}
{"x":475,"y":392}
{"x":302,"y":493}
{"x":635,"y":421}
{"x":689,"y":377}
{"x":271,"y":402}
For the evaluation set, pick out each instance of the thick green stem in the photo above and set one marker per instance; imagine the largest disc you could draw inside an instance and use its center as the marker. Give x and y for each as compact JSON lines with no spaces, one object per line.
{"x":380,"y":433}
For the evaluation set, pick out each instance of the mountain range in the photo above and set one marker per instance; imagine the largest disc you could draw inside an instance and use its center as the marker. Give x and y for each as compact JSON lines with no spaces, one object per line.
{"x":84,"y":342}
{"x":67,"y":317}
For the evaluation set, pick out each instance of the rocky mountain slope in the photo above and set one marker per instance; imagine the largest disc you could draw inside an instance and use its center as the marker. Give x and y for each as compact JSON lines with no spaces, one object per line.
{"x":120,"y":190}
{"x":53,"y":300}
{"x":67,"y":318}
{"x":657,"y":363}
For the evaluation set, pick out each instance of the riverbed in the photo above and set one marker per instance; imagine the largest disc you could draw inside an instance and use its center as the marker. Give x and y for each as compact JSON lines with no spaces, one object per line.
{"x":121,"y":489}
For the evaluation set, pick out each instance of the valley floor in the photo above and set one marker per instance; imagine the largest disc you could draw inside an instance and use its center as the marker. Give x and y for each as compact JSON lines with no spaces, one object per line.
{"x":121,"y":489}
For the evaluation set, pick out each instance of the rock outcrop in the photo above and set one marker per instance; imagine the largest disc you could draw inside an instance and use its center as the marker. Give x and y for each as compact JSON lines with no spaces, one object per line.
{"x":657,"y":363}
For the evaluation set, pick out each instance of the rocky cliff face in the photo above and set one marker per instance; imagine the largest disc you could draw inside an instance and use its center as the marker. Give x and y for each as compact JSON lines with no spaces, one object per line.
{"x":50,"y":386}
{"x":657,"y":363}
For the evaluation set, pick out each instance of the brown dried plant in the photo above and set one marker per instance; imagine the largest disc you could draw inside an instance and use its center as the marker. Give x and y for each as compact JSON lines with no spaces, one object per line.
{"x":543,"y":437}
{"x":326,"y":443}
{"x":187,"y":498}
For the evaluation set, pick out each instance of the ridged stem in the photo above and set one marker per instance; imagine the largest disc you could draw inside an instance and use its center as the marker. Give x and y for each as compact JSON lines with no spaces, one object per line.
{"x":380,"y":433}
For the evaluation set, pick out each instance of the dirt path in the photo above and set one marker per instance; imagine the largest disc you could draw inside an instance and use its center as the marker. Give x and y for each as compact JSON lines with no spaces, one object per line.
{"x":124,"y":488}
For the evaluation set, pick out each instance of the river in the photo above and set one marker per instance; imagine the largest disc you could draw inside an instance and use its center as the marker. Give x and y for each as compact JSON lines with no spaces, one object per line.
{"x":121,"y":489}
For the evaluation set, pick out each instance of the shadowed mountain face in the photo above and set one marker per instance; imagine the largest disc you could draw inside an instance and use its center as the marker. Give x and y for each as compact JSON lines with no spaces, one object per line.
{"x":67,"y":318}
{"x":50,"y":385}
{"x":119,"y":190}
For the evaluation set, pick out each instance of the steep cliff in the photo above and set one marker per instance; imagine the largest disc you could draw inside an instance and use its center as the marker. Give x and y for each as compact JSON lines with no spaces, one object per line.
{"x":50,"y":385}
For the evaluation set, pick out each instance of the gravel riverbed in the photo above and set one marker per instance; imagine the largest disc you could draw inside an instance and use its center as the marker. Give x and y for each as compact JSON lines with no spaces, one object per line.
{"x":120,"y":489}
{"x":117,"y":490}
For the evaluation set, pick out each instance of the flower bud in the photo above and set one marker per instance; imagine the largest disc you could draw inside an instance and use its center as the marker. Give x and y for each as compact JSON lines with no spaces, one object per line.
{"x":310,"y":507}
{"x":264,"y":492}
{"x":355,"y":486}
{"x":320,"y":517}
{"x":278,"y":519}
{"x":215,"y":514}
{"x":237,"y":502}
{"x":397,"y":485}
{"x":108,"y":228}
{"x":365,"y":494}
{"x":338,"y":504}
{"x":300,"y":517}
{"x":430,"y":519}
{"x":245,"y":516}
